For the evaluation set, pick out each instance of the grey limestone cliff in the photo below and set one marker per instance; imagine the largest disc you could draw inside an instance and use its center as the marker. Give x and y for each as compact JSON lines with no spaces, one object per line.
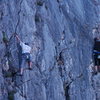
{"x":61,"y":35}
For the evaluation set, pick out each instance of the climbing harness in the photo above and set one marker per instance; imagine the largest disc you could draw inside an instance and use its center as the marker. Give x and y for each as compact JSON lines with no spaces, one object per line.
{"x":98,"y":54}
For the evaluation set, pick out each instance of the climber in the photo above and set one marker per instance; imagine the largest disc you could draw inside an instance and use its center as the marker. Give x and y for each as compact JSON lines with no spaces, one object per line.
{"x":96,"y":54}
{"x":26,"y":57}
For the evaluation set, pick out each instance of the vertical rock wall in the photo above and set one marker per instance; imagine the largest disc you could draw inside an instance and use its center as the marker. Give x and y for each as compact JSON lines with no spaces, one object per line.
{"x":60,"y":33}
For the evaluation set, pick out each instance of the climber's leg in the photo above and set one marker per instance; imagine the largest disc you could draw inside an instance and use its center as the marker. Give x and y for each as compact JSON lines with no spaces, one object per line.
{"x":30,"y":65}
{"x":30,"y":62}
{"x":99,"y":69}
{"x":96,"y":68}
{"x":22,"y":64}
{"x":99,"y":66}
{"x":95,"y":64}
{"x":21,"y":71}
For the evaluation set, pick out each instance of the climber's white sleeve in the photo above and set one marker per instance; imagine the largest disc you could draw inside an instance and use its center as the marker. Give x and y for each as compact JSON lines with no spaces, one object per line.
{"x":21,"y":44}
{"x":25,"y":48}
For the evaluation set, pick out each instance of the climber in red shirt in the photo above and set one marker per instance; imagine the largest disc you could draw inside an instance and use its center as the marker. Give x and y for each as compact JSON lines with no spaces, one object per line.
{"x":96,"y":54}
{"x":26,"y":57}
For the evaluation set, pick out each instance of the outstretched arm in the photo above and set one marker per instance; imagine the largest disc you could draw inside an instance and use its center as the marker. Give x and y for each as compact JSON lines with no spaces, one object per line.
{"x":18,"y":38}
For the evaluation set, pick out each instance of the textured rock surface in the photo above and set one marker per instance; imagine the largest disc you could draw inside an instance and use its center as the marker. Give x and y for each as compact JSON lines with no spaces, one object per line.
{"x":61,"y":35}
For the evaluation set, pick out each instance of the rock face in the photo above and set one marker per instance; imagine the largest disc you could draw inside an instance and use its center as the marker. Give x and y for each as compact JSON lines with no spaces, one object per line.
{"x":61,"y":35}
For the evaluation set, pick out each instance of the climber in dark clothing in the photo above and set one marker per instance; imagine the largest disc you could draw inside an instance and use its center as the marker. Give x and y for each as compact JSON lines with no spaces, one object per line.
{"x":96,"y":54}
{"x":26,"y":57}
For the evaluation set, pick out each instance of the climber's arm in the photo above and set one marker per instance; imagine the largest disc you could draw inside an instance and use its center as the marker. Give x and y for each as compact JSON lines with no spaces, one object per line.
{"x":18,"y":39}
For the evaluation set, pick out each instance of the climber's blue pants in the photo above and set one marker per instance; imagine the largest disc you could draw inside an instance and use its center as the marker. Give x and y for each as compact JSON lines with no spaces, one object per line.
{"x":26,"y":57}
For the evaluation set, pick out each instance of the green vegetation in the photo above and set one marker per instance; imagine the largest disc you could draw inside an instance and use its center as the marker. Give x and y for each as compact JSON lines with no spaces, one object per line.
{"x":11,"y":95}
{"x":5,"y":40}
{"x":8,"y":74}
